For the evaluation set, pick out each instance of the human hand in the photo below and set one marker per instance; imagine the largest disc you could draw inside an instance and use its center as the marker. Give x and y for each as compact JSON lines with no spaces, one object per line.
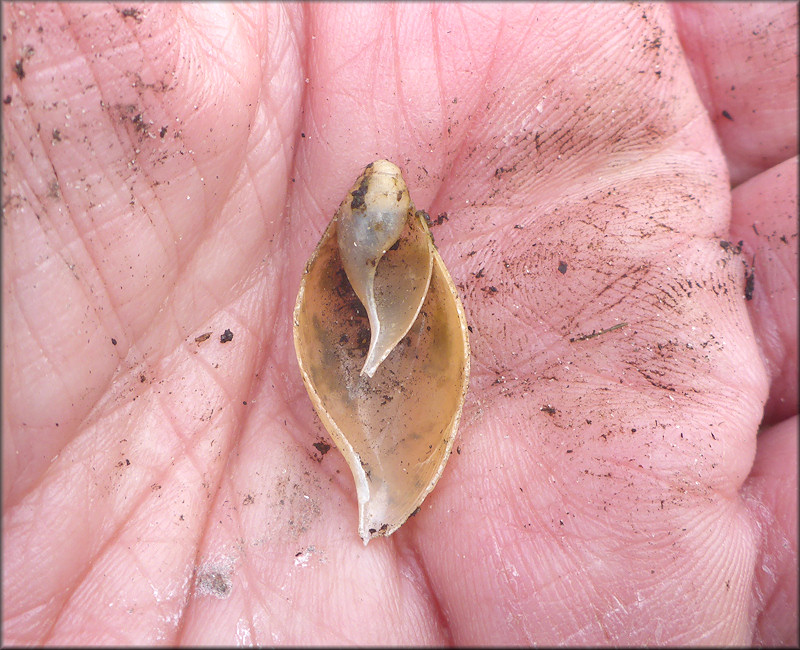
{"x":168,"y":170}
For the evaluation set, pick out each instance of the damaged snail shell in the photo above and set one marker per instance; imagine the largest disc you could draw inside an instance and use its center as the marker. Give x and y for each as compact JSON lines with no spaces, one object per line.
{"x":381,"y":340}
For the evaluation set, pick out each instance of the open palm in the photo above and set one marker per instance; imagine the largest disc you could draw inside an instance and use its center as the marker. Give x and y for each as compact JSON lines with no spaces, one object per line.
{"x":168,"y":170}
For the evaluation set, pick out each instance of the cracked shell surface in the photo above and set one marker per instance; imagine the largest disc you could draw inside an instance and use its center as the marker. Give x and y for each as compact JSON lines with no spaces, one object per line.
{"x":381,"y":341}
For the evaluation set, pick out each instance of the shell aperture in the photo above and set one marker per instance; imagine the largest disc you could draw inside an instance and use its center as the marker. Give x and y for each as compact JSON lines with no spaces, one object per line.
{"x":381,"y":341}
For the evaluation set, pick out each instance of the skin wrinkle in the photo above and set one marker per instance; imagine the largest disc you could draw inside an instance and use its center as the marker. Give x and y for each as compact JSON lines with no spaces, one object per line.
{"x":29,"y":191}
{"x":773,"y":517}
{"x":728,"y":63}
{"x":405,"y":123}
{"x":647,"y":269}
{"x":42,"y":136}
{"x":30,"y":331}
{"x":11,"y":501}
{"x":117,"y":532}
{"x":365,"y":51}
{"x":147,"y":188}
{"x":760,"y":208}
{"x":640,"y":163}
{"x":572,"y":196}
{"x":411,"y":557}
{"x":554,"y":329}
{"x":189,"y":268}
{"x":376,"y":70}
{"x":212,"y":49}
{"x":441,"y":173}
{"x":96,"y":266}
{"x":80,"y":576}
{"x":252,"y":585}
{"x":88,"y":407}
{"x":161,"y":479}
{"x":436,"y":55}
{"x":206,"y":531}
{"x":204,"y":188}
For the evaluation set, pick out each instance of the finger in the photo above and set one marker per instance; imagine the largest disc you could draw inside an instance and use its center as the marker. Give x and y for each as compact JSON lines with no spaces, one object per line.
{"x":114,"y":178}
{"x":771,"y":495}
{"x":153,"y":233}
{"x":744,"y":62}
{"x":765,"y":218}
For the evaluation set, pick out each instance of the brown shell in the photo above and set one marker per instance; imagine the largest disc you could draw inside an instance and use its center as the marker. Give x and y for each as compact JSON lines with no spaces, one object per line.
{"x":395,"y":426}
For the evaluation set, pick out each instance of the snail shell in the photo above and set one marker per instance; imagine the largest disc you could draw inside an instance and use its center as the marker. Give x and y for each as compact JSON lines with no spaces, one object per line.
{"x":381,"y":341}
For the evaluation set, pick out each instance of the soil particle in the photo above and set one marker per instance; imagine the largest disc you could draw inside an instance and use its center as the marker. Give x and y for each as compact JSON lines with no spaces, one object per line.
{"x":728,"y":246}
{"x":215,"y":579}
{"x":749,"y":283}
{"x":132,"y":12}
{"x":322,"y":447}
{"x":357,"y":203}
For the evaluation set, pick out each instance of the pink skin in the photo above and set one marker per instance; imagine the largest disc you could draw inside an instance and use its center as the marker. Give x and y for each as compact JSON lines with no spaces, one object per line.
{"x":167,"y":171}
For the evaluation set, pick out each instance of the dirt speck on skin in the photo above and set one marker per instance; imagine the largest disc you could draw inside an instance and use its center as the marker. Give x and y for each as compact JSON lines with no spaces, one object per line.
{"x":749,"y":282}
{"x":728,"y":246}
{"x":202,"y":337}
{"x":296,"y":502}
{"x":131,"y":12}
{"x":140,"y":124}
{"x":215,"y":578}
{"x":301,"y":557}
{"x":226,"y":336}
{"x":323,"y":448}
{"x":53,"y":189}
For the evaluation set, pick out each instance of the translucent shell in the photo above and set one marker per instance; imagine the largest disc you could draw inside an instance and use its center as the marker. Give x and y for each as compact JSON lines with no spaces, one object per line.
{"x":381,"y":341}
